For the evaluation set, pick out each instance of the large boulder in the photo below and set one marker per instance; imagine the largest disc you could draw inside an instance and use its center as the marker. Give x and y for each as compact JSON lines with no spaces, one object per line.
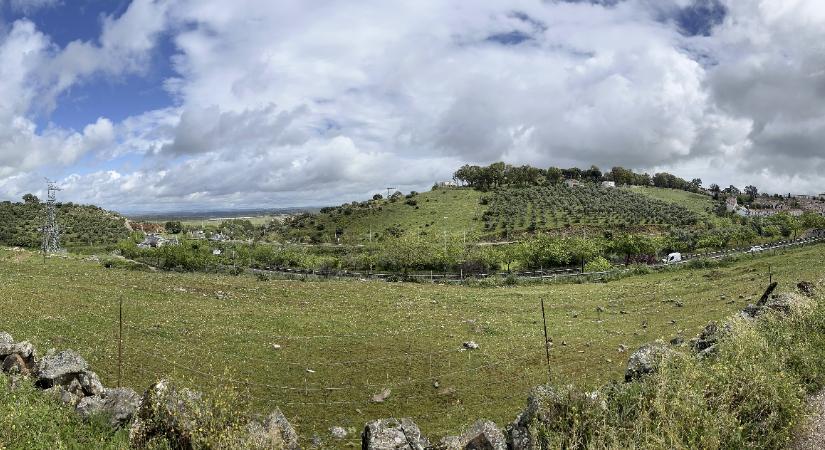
{"x":274,"y":432}
{"x":118,"y":404}
{"x":393,"y":434}
{"x":60,"y":368}
{"x":646,"y":360}
{"x":482,"y":435}
{"x":806,"y":288}
{"x":168,"y":411}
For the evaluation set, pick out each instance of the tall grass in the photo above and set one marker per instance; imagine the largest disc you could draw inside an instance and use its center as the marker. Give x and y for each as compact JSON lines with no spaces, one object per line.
{"x":749,"y":393}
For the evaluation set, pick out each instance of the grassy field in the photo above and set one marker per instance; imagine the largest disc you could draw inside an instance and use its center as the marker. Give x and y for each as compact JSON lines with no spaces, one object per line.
{"x":439,"y":211}
{"x":342,"y":342}
{"x":698,"y":203}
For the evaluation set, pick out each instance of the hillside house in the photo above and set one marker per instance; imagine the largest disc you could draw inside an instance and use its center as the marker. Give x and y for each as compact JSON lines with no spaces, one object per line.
{"x":572,"y":183}
{"x":608,"y":184}
{"x":446,"y":184}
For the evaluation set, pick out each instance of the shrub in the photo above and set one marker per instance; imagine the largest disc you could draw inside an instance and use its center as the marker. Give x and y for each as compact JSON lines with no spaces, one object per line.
{"x":599,"y":264}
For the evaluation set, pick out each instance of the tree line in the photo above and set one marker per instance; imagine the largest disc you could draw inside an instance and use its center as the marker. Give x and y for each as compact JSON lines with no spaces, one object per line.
{"x":499,"y":175}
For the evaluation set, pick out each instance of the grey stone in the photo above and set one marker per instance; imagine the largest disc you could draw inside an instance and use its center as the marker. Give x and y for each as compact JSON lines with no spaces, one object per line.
{"x":393,"y":434}
{"x":89,"y":406}
{"x":6,"y":344}
{"x":646,"y":360}
{"x":381,"y":396}
{"x":90,"y":383}
{"x":338,"y":432}
{"x":274,"y":432}
{"x":544,"y":403}
{"x":165,"y":410}
{"x":120,"y":404}
{"x":470,"y":345}
{"x":482,"y":435}
{"x":59,"y":368}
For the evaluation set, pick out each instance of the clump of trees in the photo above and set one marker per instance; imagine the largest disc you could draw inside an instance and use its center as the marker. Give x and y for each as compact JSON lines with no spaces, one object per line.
{"x":499,"y":175}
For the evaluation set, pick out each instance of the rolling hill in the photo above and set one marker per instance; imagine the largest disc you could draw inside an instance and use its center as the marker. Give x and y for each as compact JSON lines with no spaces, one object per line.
{"x":20,"y":224}
{"x":499,"y":213}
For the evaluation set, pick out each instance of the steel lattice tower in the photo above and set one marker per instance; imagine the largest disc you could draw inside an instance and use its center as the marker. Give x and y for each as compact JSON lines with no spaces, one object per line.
{"x":51,"y":231}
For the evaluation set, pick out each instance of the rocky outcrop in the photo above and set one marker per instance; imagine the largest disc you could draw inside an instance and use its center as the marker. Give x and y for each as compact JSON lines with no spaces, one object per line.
{"x":274,"y":432}
{"x":118,"y":404}
{"x":168,"y":411}
{"x":646,"y":360}
{"x":393,"y":434}
{"x":545,"y":406}
{"x":482,"y":435}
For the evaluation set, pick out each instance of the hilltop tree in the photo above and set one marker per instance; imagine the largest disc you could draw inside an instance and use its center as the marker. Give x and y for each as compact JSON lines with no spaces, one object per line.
{"x":751,"y":191}
{"x":174,"y":227}
{"x":555,"y":175}
{"x":696,"y":184}
{"x":30,"y":199}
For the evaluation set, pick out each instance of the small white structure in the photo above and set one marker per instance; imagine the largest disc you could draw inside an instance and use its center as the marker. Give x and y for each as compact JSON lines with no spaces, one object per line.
{"x":216,"y":252}
{"x":572,"y":183}
{"x":153,"y":241}
{"x":731,"y":203}
{"x":608,"y":184}
{"x":673,"y":258}
{"x":446,"y":184}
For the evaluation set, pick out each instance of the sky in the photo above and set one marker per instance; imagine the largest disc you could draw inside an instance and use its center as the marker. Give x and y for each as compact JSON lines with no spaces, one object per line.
{"x":161,"y":105}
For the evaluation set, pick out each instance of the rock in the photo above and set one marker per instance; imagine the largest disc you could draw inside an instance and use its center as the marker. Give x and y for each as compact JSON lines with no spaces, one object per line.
{"x":677,"y":340}
{"x":446,"y":391}
{"x":622,"y":348}
{"x":482,"y":435}
{"x":274,"y":432}
{"x":679,"y":304}
{"x":782,"y":303}
{"x":165,"y":410}
{"x":59,"y":368}
{"x":120,"y":404}
{"x":646,"y":360}
{"x":90,"y":383}
{"x":6,"y":344}
{"x":89,"y":406}
{"x":64,"y":396}
{"x":705,"y":343}
{"x":15,"y":364}
{"x":338,"y":432}
{"x":470,"y":345}
{"x":392,"y":434}
{"x":544,"y":405}
{"x":381,"y":396}
{"x":806,"y":288}
{"x":24,"y":349}
{"x":73,"y":386}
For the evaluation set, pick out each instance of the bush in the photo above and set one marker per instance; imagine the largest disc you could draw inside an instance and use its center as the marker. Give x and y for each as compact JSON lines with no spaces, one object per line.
{"x":599,"y":264}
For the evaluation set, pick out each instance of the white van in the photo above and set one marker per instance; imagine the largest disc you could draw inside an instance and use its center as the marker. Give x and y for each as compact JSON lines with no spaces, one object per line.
{"x":673,"y":258}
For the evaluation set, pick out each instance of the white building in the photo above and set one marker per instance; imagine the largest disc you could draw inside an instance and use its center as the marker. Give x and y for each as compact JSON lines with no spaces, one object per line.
{"x":608,"y":184}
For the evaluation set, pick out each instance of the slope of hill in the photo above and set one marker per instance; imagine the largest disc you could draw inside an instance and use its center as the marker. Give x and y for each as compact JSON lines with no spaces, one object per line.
{"x":20,"y":224}
{"x":698,"y":203}
{"x":556,"y":206}
{"x":498,"y":213}
{"x":430,"y":213}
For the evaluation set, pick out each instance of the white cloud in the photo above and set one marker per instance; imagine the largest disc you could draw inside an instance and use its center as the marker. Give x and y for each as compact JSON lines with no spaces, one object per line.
{"x":293,"y":102}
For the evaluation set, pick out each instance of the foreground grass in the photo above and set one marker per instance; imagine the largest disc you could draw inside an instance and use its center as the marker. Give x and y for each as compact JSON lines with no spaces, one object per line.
{"x":343,"y":342}
{"x":30,"y":419}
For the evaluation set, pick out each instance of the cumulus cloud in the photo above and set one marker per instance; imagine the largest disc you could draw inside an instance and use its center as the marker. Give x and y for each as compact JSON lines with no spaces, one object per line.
{"x":293,"y":102}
